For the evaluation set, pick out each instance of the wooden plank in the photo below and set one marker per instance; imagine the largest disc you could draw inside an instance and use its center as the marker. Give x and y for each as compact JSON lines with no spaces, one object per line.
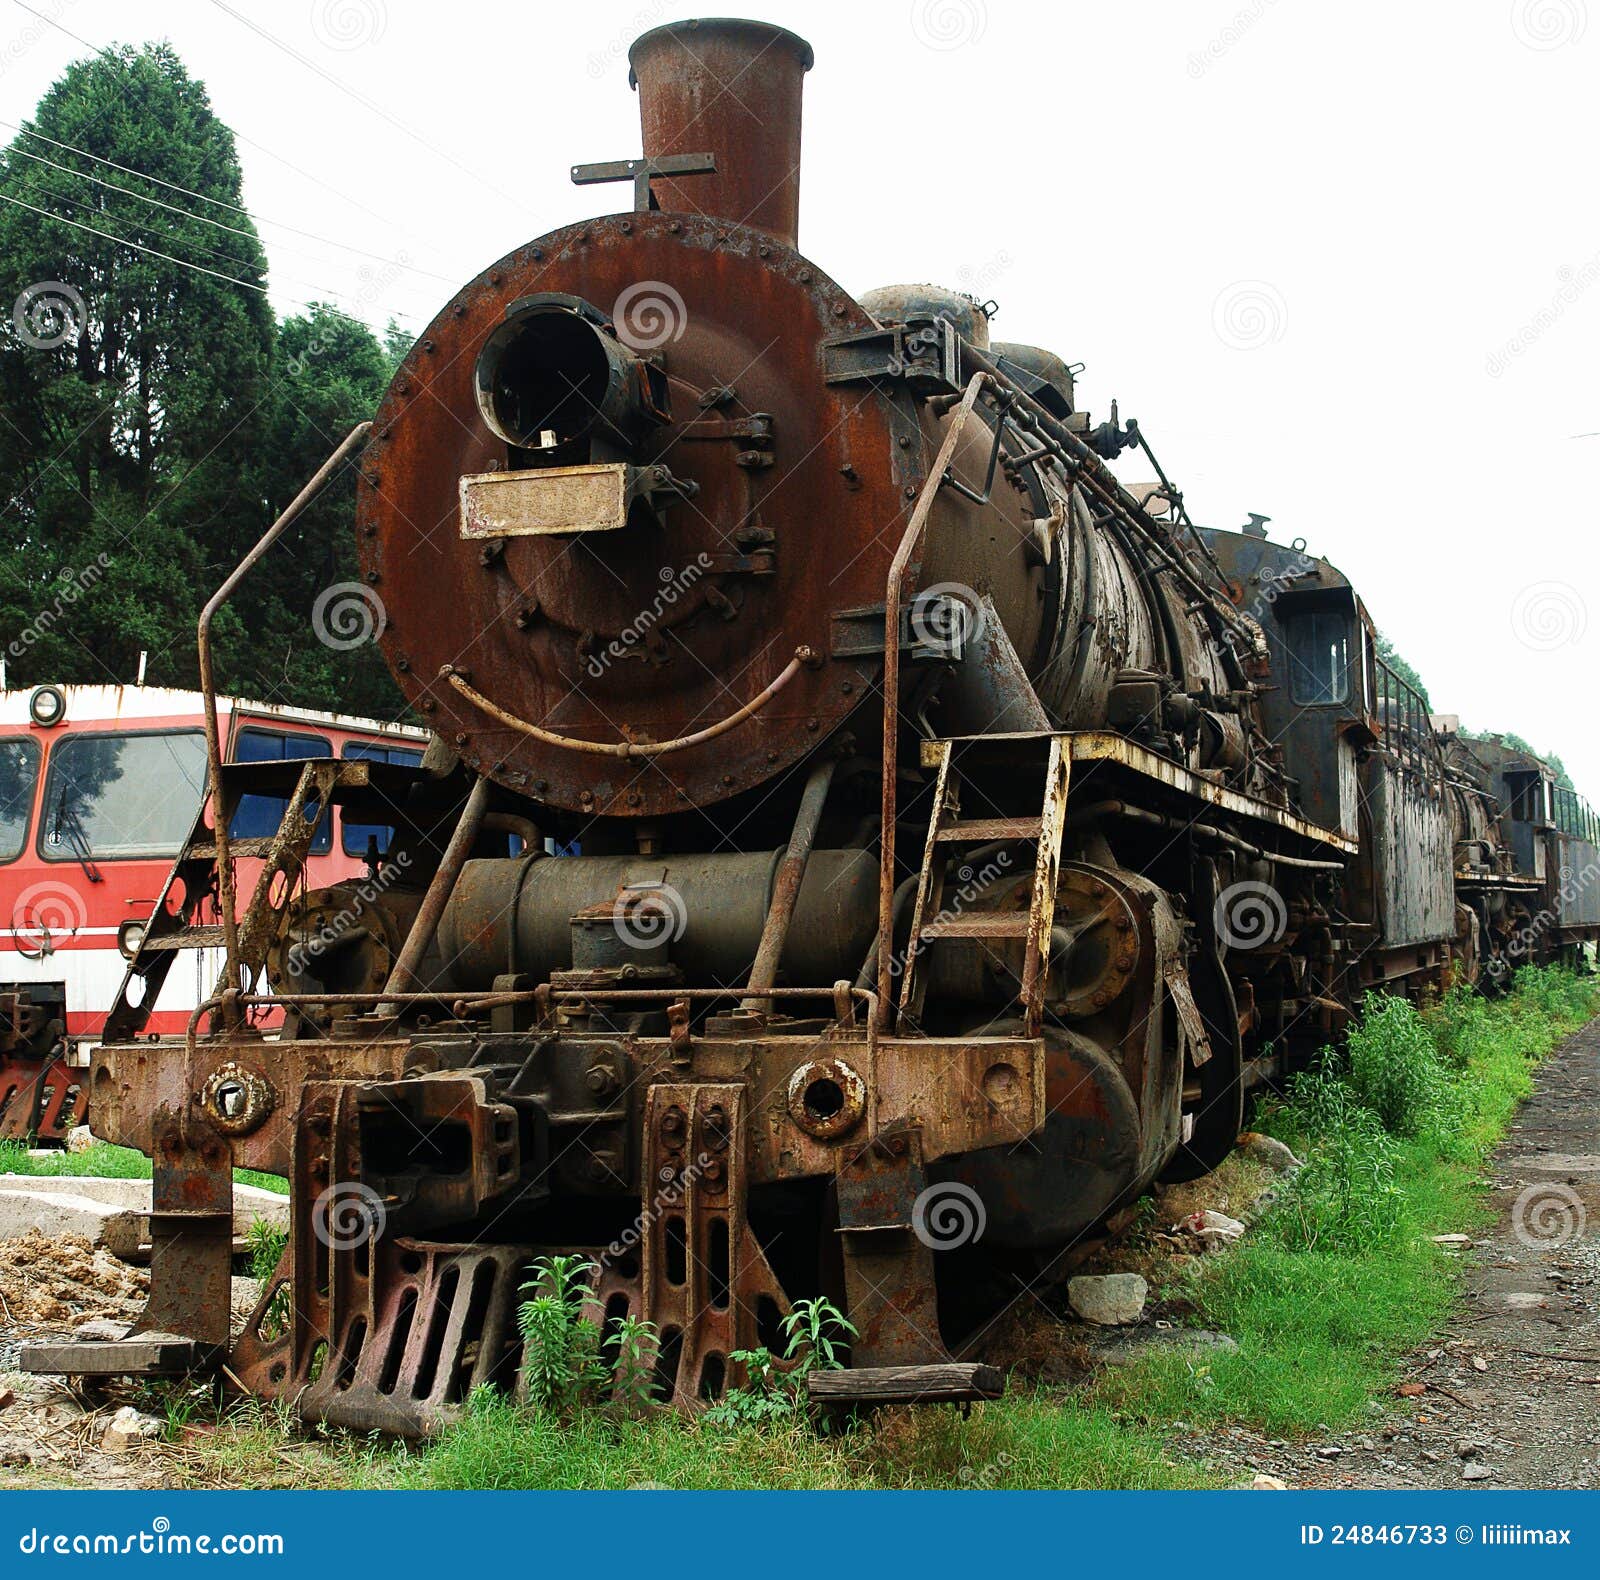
{"x":149,"y":1355}
{"x":945,"y":1382}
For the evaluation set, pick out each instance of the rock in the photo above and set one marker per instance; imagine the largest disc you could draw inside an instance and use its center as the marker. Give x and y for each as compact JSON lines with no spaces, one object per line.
{"x":1473,"y":1471}
{"x":78,"y":1139}
{"x":102,"y":1330}
{"x":1271,"y":1152}
{"x":1429,"y":1456}
{"x":127,"y":1429}
{"x":8,"y":1396}
{"x":1265,"y":1483}
{"x":1452,"y":1239}
{"x":1468,"y":1449}
{"x":1479,"y":1364}
{"x":1109,"y":1299}
{"x":1329,"y":1451}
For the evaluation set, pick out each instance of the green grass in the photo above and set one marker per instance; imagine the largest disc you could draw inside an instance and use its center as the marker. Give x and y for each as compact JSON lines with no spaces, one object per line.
{"x":1336,"y":1284}
{"x":104,"y":1161}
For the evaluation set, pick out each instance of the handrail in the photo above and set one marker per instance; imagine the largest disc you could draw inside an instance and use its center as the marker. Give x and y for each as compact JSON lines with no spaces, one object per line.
{"x":893,"y":591}
{"x":802,"y":655}
{"x":208,"y":691}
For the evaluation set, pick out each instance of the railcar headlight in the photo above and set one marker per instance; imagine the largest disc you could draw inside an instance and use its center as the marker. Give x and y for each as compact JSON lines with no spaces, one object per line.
{"x":129,"y":936}
{"x":47,"y":706}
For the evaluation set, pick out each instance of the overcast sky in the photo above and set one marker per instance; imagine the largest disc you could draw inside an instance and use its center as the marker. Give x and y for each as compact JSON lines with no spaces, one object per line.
{"x":1340,"y":259}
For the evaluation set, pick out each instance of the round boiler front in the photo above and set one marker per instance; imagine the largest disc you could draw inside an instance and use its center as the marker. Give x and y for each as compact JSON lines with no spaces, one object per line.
{"x":566,"y":581}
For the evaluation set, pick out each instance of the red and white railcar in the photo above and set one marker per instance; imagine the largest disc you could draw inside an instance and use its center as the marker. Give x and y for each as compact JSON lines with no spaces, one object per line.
{"x":99,"y":788}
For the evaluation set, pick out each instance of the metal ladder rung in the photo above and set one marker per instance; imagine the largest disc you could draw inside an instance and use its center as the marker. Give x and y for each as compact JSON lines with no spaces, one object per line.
{"x":980,"y":924}
{"x":253,"y":847}
{"x":983,"y":829}
{"x":188,"y":938}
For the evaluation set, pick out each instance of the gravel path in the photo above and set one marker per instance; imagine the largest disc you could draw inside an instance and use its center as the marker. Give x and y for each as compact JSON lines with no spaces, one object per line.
{"x":1511,"y":1388}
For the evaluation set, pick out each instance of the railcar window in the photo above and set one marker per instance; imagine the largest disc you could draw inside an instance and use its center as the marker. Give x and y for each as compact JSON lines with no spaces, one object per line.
{"x":259,"y":816}
{"x":109,"y":796}
{"x":19,"y":773}
{"x":355,"y":837}
{"x":1319,"y":657}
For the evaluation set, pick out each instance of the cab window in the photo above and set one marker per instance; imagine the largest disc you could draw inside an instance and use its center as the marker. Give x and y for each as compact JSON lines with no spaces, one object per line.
{"x":259,"y":816}
{"x":1319,"y":657}
{"x":108,"y":796}
{"x":19,"y":774}
{"x":357,"y":838}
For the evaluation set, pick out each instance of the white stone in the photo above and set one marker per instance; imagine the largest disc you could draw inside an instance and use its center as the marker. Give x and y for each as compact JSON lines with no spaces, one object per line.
{"x":127,"y":1429}
{"x":79,"y":1139}
{"x":1266,"y":1483}
{"x":1108,"y":1299}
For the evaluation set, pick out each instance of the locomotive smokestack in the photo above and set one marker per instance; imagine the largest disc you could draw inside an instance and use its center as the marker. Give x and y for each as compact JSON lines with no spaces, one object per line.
{"x":732,"y":89}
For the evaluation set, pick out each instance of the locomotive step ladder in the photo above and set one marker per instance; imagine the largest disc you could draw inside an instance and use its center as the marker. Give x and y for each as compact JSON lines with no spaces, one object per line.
{"x":175,"y":923}
{"x":948,"y":834}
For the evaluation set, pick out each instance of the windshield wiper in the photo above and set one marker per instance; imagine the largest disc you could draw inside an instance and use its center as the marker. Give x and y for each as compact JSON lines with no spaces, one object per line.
{"x":69,"y":827}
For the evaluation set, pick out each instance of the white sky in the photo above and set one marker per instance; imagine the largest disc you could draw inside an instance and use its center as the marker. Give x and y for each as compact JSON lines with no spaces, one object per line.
{"x":1340,"y":259}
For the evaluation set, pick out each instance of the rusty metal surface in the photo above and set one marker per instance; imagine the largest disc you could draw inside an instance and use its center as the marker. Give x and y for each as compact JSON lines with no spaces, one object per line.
{"x":538,"y":628}
{"x":733,"y":87}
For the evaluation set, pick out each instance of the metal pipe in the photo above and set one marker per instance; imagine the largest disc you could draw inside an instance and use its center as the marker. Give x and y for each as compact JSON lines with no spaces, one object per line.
{"x":802,"y":655}
{"x":225,"y":890}
{"x":403,"y":978}
{"x":786,"y":884}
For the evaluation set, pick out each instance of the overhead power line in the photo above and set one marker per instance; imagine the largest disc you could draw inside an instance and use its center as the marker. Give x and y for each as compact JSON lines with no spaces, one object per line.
{"x":215,"y":252}
{"x":182,"y":263}
{"x":220,"y":202}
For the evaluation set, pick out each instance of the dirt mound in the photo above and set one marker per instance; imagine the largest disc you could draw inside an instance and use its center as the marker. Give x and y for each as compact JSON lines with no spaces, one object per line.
{"x":60,"y":1282}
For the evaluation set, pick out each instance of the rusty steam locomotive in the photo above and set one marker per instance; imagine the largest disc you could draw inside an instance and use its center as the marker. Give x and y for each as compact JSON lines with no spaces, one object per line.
{"x":924,"y":841}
